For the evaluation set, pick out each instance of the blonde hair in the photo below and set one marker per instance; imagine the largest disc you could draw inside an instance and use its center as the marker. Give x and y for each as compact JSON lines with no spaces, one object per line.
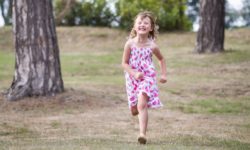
{"x":144,"y":14}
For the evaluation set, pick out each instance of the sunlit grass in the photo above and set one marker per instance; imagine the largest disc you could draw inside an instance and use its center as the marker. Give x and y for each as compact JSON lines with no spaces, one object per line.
{"x":7,"y":60}
{"x":91,"y":64}
{"x":214,"y":106}
{"x":233,"y":56}
{"x":94,"y":80}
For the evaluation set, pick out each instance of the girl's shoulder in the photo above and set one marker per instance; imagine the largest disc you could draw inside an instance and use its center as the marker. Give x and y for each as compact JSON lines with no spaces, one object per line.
{"x":153,"y":45}
{"x":150,"y":44}
{"x":129,"y":42}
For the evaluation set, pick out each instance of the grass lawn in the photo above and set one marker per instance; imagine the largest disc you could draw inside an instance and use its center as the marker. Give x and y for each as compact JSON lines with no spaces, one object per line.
{"x":206,"y":100}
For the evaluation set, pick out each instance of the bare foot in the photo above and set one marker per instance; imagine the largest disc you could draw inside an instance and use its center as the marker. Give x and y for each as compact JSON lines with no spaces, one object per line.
{"x":142,"y":139}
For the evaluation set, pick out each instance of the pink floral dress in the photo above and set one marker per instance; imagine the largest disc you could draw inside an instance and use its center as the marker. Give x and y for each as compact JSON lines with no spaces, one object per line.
{"x":141,"y":60}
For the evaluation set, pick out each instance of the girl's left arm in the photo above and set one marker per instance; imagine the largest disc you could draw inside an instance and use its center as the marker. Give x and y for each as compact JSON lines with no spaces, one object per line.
{"x":162,"y":63}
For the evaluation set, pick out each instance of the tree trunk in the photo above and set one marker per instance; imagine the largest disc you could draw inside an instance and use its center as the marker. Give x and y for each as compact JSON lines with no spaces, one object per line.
{"x":210,"y":36}
{"x":37,"y":66}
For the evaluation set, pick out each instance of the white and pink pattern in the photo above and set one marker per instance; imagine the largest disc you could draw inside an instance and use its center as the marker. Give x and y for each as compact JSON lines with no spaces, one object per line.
{"x":141,"y":60}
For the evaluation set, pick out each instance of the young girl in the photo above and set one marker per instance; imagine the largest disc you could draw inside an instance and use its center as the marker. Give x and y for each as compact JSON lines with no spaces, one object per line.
{"x":140,"y":72}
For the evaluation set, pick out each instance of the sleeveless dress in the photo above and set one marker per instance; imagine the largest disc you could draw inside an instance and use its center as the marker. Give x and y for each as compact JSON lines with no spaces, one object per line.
{"x":140,"y":60}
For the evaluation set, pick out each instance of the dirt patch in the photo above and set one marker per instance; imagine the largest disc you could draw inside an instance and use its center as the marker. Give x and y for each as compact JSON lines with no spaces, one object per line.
{"x":228,"y":90}
{"x":75,"y":99}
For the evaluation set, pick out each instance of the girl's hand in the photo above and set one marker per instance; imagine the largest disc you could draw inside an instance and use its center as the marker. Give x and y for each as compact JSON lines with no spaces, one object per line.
{"x":138,"y":75}
{"x":163,"y":79}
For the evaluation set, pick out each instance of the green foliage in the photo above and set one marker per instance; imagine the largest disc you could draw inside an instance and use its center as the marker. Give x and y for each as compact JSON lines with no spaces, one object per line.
{"x":193,"y":9}
{"x":94,"y":13}
{"x":246,"y":12}
{"x":6,"y":11}
{"x":170,"y":14}
{"x":231,"y":15}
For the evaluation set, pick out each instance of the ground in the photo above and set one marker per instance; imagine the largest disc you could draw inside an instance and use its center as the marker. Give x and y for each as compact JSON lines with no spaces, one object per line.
{"x":206,"y":100}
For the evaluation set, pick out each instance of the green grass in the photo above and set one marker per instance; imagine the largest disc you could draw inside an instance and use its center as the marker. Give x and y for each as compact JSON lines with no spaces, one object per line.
{"x":231,"y":56}
{"x":92,"y":68}
{"x":7,"y":60}
{"x":55,"y":124}
{"x":95,"y":80}
{"x":14,"y":131}
{"x":6,"y":43}
{"x":208,"y":60}
{"x":214,"y":106}
{"x":91,"y":64}
{"x":247,"y":126}
{"x":180,"y":142}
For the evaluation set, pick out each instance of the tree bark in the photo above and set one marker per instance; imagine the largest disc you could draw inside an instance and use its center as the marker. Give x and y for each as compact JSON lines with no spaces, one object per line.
{"x":37,"y":62}
{"x":210,"y":36}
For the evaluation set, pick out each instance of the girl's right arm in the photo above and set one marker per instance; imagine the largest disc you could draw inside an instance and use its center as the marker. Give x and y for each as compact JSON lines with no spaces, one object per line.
{"x":125,"y":61}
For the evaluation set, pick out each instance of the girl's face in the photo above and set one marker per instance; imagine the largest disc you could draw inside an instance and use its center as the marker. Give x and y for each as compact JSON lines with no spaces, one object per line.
{"x":142,"y":25}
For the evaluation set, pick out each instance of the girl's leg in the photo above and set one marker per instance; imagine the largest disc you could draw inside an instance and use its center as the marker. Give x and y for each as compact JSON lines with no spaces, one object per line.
{"x":143,"y":114}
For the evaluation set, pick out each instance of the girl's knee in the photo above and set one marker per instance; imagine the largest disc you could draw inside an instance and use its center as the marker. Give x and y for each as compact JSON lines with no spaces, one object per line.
{"x":143,"y":96}
{"x":141,"y":107}
{"x":143,"y":101}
